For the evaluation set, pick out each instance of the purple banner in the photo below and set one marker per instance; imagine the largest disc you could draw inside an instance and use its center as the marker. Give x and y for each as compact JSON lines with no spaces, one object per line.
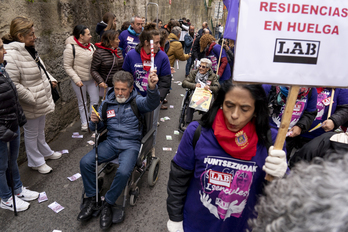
{"x":232,"y":19}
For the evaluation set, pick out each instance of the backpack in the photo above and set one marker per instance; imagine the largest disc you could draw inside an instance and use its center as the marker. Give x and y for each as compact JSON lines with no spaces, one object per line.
{"x":167,"y":45}
{"x":135,"y":110}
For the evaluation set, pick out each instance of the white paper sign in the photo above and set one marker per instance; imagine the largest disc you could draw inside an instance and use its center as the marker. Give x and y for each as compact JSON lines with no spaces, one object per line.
{"x":292,"y":42}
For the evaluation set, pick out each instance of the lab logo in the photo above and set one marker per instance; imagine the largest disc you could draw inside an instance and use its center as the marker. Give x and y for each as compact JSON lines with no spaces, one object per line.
{"x":220,"y":178}
{"x":296,"y":51}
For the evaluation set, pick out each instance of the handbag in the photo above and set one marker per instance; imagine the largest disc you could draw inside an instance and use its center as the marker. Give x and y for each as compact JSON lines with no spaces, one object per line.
{"x":54,"y":91}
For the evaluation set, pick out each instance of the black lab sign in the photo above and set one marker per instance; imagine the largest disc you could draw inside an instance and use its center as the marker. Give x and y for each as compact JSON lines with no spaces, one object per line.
{"x":292,"y":42}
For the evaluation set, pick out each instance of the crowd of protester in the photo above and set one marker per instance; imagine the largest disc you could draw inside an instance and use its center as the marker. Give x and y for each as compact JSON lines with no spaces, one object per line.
{"x":218,"y":173}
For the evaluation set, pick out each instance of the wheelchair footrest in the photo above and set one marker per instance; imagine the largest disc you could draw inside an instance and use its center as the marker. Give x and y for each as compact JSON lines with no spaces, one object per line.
{"x":118,"y":214}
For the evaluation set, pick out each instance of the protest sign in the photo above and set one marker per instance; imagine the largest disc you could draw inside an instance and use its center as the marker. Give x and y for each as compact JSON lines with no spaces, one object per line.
{"x":292,"y":42}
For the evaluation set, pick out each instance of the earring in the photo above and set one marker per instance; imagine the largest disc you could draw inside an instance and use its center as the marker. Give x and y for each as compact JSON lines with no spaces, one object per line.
{"x":220,"y":107}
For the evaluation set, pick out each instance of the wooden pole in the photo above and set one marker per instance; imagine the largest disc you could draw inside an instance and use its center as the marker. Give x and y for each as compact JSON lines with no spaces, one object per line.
{"x":222,"y":45}
{"x":331,"y":102}
{"x":285,"y":122}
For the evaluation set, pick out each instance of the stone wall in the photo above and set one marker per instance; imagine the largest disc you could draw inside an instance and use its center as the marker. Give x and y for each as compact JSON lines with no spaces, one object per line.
{"x":54,"y":21}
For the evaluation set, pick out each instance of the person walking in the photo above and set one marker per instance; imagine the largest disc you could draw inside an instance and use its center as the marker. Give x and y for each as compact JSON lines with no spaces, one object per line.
{"x":32,"y":81}
{"x":189,"y":38}
{"x":78,"y":56}
{"x":130,"y":37}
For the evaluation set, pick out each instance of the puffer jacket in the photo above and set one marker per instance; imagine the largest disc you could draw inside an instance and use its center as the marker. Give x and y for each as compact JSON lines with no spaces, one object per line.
{"x":77,"y":68}
{"x":11,"y":112}
{"x":105,"y":64}
{"x":123,"y":127}
{"x":190,"y":81}
{"x":33,"y":87}
{"x":175,"y":51}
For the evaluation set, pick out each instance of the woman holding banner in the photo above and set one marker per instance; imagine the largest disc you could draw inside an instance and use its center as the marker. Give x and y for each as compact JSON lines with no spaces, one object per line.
{"x":214,"y":53}
{"x":218,"y":172}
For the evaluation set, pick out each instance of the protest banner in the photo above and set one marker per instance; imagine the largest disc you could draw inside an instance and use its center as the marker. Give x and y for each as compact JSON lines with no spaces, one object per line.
{"x":293,"y":43}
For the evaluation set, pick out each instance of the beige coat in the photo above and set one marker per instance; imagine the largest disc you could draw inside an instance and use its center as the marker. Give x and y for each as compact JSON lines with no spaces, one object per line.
{"x":175,"y":51}
{"x":78,"y":69}
{"x":33,"y":87}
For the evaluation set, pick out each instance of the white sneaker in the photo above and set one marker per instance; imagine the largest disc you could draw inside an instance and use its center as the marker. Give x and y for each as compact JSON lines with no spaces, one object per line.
{"x":27,"y":195}
{"x":54,"y":156}
{"x":20,"y":204}
{"x":43,"y":169}
{"x":84,"y":127}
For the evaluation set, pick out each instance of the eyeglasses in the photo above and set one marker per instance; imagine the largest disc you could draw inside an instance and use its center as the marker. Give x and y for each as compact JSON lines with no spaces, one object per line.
{"x":202,"y":66}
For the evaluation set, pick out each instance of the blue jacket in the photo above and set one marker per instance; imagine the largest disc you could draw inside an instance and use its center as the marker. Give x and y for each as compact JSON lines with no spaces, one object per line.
{"x":122,"y":124}
{"x":188,"y":43}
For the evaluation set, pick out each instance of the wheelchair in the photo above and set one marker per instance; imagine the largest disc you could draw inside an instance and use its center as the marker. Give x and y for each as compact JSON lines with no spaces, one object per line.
{"x":145,"y":163}
{"x":184,"y":104}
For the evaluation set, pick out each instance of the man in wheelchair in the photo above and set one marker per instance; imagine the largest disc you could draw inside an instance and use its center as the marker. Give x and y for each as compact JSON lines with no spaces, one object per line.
{"x":122,"y":142}
{"x":205,"y":78}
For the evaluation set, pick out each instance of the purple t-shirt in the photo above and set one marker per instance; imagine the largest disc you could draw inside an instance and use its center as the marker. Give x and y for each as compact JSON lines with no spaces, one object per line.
{"x":127,"y":42}
{"x":323,"y":102}
{"x":301,"y":105}
{"x":223,"y":190}
{"x":214,"y":57}
{"x":133,"y":64}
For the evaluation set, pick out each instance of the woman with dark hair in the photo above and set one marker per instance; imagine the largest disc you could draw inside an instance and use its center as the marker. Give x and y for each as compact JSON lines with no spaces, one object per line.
{"x":107,"y":60}
{"x":32,"y":81}
{"x":78,"y":56}
{"x":212,"y":51}
{"x":138,"y":62}
{"x":11,"y":118}
{"x":108,"y":23}
{"x":218,"y":171}
{"x":125,"y":26}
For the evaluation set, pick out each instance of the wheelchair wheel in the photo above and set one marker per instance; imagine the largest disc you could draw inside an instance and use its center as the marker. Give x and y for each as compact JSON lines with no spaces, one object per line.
{"x":153,"y":174}
{"x":134,"y":196}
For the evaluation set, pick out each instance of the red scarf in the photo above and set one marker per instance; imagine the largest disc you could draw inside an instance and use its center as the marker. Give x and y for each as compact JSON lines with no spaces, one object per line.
{"x":319,"y":90}
{"x":240,"y":145}
{"x":210,"y":48}
{"x":162,"y":48}
{"x":81,"y":45}
{"x":109,"y":49}
{"x":146,"y":59}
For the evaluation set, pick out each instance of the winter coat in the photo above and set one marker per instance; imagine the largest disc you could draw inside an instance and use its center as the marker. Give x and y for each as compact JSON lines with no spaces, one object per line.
{"x":123,"y":125}
{"x":33,"y":87}
{"x":105,"y":64}
{"x":188,"y":43}
{"x":100,"y":28}
{"x":78,"y":67}
{"x":11,"y":112}
{"x":175,"y":51}
{"x":190,"y":81}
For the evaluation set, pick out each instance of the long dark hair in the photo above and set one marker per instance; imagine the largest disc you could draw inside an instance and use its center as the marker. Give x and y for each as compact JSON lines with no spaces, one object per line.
{"x":261,"y":109}
{"x":79,"y":30}
{"x":107,"y":37}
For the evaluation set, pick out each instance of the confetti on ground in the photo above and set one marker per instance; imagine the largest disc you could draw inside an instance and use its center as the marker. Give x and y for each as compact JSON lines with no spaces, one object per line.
{"x":63,"y":151}
{"x":176,"y":82}
{"x":93,"y":135}
{"x":90,"y":142}
{"x":42,"y":197}
{"x":166,"y":118}
{"x":169,"y":137}
{"x":176,"y":132}
{"x":171,"y":106}
{"x":74,"y":177}
{"x":76,"y":135}
{"x":182,"y":95}
{"x":56,"y":207}
{"x":167,"y":149}
{"x":162,"y":120}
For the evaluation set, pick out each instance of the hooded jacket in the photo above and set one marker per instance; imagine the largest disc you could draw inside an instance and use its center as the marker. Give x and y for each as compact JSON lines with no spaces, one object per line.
{"x":175,"y":51}
{"x":33,"y":87}
{"x":122,"y":124}
{"x":11,"y":112}
{"x":77,"y":68}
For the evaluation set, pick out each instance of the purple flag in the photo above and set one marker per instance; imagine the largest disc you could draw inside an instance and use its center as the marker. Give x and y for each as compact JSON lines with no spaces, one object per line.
{"x":232,"y":19}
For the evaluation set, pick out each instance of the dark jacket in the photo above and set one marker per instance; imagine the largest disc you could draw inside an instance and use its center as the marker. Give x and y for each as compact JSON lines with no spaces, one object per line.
{"x":100,"y":28}
{"x":123,"y":125}
{"x":190,"y":81}
{"x":105,"y":64}
{"x":11,"y":112}
{"x":196,"y":53}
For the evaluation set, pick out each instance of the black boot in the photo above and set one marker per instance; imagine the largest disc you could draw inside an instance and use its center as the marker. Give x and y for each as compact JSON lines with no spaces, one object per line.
{"x":87,"y":210}
{"x":106,"y":216}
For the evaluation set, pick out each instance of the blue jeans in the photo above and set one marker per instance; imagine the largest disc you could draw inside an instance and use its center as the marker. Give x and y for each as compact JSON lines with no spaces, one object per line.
{"x":188,"y":66}
{"x":107,"y":152}
{"x":5,"y":182}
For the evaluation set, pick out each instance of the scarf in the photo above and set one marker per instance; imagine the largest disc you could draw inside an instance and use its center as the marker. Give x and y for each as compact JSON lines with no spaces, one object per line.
{"x":109,"y":49}
{"x":2,"y":67}
{"x":130,"y":30}
{"x":146,"y":59}
{"x":210,"y":48}
{"x":202,"y":77}
{"x":81,"y":45}
{"x":240,"y":145}
{"x":319,"y":90}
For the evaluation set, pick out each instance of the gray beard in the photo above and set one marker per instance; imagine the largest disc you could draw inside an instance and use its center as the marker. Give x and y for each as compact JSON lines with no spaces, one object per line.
{"x":121,"y":99}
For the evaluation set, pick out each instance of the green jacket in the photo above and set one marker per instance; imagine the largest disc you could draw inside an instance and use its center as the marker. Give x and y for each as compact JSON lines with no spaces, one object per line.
{"x":190,"y":81}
